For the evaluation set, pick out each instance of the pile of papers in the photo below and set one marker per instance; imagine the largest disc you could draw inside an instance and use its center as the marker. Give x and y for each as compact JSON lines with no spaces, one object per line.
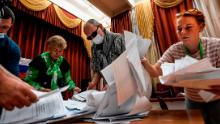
{"x":190,"y":73}
{"x":49,"y":106}
{"x":126,"y":98}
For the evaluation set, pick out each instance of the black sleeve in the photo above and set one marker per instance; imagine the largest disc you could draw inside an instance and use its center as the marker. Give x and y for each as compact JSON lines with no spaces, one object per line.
{"x":65,"y":66}
{"x":37,"y":62}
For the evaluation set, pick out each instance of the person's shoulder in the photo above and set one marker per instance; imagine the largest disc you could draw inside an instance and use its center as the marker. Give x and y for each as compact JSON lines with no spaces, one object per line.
{"x":176,"y":46}
{"x":211,"y":41}
{"x":114,"y":35}
{"x":37,"y":61}
{"x":12,"y":45}
{"x":65,"y":61}
{"x":65,"y":66}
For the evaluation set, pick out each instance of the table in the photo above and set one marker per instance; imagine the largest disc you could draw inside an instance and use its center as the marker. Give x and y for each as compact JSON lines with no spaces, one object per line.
{"x":164,"y":117}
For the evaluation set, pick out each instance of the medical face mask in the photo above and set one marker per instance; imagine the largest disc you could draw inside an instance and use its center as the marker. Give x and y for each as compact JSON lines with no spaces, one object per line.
{"x":98,"y":39}
{"x":2,"y":35}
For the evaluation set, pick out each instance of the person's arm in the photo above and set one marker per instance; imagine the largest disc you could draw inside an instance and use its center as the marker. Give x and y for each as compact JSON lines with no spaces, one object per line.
{"x":32,"y":75}
{"x":72,"y":85}
{"x":14,"y":92}
{"x":154,"y":70}
{"x":119,"y":43}
{"x":13,"y":62}
{"x":95,"y":80}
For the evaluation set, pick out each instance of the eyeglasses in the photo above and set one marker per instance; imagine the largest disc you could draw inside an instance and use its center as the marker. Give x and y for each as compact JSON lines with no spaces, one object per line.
{"x":93,"y":34}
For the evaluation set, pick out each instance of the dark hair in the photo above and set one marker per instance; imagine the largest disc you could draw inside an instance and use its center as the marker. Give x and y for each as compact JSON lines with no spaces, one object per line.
{"x":5,"y":11}
{"x":198,"y":15}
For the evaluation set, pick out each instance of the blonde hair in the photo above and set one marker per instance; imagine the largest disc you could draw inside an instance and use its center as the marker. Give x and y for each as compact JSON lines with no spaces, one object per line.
{"x":56,"y":41}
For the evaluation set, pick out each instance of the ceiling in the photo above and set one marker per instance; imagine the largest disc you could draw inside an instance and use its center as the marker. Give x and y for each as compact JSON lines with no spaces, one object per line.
{"x":111,"y":7}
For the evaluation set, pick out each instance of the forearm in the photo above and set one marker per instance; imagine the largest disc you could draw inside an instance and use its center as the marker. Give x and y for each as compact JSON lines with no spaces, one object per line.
{"x":31,"y":77}
{"x":70,"y":82}
{"x":3,"y":73}
{"x":153,"y":70}
{"x":96,"y":77}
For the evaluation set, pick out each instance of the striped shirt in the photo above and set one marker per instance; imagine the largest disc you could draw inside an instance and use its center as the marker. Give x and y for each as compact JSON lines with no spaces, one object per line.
{"x":211,"y":49}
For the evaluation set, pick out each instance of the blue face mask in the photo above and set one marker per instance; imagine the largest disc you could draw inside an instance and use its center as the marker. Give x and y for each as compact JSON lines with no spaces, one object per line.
{"x":2,"y":35}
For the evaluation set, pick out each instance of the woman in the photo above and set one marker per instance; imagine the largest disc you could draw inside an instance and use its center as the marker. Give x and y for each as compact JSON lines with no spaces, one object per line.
{"x":50,"y":70}
{"x":189,"y":26}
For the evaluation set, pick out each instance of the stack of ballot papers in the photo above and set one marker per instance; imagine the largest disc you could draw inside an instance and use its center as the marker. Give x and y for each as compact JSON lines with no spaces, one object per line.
{"x":129,"y":84}
{"x":190,"y":73}
{"x":49,"y":106}
{"x":126,"y":99}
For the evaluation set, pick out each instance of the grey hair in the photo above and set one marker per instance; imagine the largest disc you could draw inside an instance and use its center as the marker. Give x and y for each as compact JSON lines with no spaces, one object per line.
{"x":92,"y":21}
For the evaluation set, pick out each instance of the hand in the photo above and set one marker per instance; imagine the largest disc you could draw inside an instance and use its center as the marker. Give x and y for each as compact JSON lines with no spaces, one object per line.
{"x":77,"y":89}
{"x":91,"y":85}
{"x":105,"y":87}
{"x":45,"y":90}
{"x":144,"y":60}
{"x":15,"y":93}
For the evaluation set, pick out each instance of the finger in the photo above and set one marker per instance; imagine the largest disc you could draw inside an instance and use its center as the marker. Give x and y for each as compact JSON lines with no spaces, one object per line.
{"x":8,"y":107}
{"x":18,"y":104}
{"x":21,"y":100}
{"x":31,"y":97}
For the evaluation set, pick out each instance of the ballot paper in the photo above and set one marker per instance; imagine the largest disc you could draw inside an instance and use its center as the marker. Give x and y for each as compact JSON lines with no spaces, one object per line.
{"x":125,"y":82}
{"x":108,"y":74}
{"x":142,"y":44}
{"x":129,"y":83}
{"x":142,"y":78}
{"x":46,"y":108}
{"x":200,"y":75}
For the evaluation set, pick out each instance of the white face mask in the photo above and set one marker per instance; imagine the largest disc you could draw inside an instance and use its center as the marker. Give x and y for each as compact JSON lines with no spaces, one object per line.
{"x":98,"y":39}
{"x":2,"y":35}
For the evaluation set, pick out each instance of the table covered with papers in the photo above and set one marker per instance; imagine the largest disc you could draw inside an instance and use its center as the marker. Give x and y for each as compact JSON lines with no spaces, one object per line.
{"x":160,"y":117}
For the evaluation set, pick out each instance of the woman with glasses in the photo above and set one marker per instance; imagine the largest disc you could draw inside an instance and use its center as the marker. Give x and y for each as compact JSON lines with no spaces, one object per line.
{"x":50,"y":70}
{"x":106,"y":47}
{"x":189,"y":26}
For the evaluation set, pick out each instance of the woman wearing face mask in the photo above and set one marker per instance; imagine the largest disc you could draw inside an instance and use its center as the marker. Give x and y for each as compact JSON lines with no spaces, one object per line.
{"x":50,"y":70}
{"x":106,"y":47}
{"x":189,"y":26}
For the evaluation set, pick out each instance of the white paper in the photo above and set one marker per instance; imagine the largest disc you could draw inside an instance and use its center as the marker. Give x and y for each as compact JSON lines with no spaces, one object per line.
{"x":109,"y":105}
{"x":206,"y":96}
{"x":46,"y":107}
{"x":142,"y":78}
{"x":107,"y":73}
{"x":125,"y":82}
{"x":200,"y":66}
{"x":184,"y":62}
{"x":200,"y":75}
{"x":129,"y":38}
{"x":142,"y":44}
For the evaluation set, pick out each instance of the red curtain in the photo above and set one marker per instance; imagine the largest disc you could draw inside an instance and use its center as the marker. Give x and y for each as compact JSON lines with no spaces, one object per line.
{"x":30,"y":33}
{"x":121,"y":22}
{"x":165,"y":23}
{"x":49,"y":15}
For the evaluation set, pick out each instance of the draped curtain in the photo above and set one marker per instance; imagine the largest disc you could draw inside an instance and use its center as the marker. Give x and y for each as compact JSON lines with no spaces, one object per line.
{"x":51,"y":13}
{"x":211,"y":11}
{"x":165,"y":23}
{"x":30,"y":33}
{"x":121,"y":22}
{"x":142,"y":24}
